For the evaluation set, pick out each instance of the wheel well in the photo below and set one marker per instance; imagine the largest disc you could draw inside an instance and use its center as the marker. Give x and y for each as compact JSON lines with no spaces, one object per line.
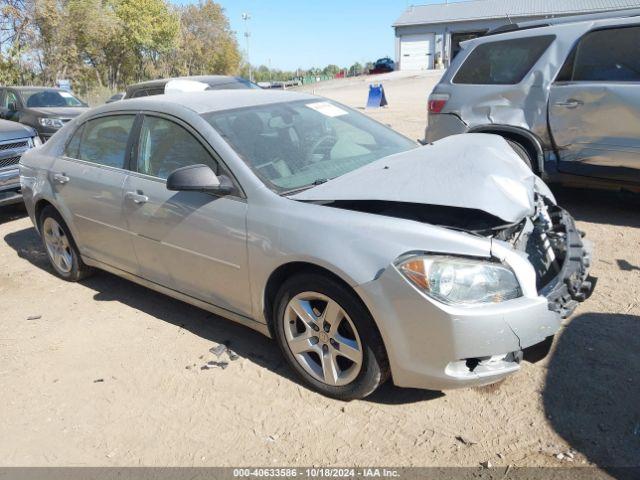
{"x":282,"y":273}
{"x":527,"y":143}
{"x":40,"y":205}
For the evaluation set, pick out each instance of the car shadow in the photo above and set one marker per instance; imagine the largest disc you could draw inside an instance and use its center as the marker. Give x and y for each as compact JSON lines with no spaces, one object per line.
{"x":600,"y":206}
{"x":592,"y":390}
{"x":13,"y":212}
{"x":389,"y":394}
{"x":245,"y":342}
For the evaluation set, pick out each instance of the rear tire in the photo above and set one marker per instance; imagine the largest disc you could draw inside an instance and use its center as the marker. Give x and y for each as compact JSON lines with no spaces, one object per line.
{"x":61,"y":249}
{"x":522,"y":153}
{"x":329,"y":338}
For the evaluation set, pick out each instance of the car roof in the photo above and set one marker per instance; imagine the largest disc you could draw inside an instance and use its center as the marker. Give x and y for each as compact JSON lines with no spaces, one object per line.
{"x":22,"y":88}
{"x":209,"y":100}
{"x":209,"y":79}
{"x":575,"y":28}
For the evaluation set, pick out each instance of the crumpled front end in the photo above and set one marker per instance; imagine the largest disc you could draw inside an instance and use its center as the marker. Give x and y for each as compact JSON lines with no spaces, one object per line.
{"x":438,"y":346}
{"x":561,"y":257}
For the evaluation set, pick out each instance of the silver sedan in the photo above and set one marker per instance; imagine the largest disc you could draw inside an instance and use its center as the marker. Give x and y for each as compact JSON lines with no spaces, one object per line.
{"x":365,"y":255}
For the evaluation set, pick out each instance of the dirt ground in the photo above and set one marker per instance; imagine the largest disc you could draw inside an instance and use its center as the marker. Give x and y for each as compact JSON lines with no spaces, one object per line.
{"x":108,"y":373}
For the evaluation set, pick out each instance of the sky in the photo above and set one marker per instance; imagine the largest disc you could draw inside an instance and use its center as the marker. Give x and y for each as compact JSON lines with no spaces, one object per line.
{"x":290,"y":34}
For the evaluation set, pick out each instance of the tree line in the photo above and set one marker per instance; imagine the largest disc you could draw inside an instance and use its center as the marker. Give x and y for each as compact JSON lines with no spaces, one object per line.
{"x":108,"y":44}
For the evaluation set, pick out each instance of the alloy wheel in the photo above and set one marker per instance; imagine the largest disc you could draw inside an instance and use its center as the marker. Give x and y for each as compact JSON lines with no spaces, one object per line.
{"x":57,"y":244}
{"x":323,"y":339}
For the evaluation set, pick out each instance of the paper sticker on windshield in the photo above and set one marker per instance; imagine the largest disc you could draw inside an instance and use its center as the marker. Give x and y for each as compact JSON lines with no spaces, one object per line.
{"x":65,"y":94}
{"x":327,"y":109}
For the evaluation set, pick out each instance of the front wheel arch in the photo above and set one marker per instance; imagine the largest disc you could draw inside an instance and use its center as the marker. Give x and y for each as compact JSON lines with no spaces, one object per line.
{"x":288,"y":270}
{"x":523,"y":137}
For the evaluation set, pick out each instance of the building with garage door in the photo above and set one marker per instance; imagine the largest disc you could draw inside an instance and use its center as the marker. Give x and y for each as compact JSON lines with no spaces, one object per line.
{"x":429,"y":36}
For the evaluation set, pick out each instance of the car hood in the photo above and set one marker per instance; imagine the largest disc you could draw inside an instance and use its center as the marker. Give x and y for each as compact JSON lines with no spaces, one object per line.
{"x":473,"y":171}
{"x":64,"y":112}
{"x":12,"y":130}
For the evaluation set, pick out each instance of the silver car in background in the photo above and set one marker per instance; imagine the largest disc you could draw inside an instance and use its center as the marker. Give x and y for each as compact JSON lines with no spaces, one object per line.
{"x":363,"y":254}
{"x":565,"y":96}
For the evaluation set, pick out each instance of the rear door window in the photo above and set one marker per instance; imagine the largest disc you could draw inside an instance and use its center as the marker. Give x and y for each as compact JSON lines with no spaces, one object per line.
{"x":504,"y":62}
{"x":609,"y":55}
{"x":104,"y":140}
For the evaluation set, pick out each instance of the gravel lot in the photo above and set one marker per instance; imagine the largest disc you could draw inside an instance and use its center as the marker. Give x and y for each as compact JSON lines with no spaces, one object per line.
{"x":108,"y":373}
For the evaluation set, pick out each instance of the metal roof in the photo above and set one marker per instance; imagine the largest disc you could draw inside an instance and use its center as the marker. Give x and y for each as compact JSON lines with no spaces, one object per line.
{"x":491,"y":9}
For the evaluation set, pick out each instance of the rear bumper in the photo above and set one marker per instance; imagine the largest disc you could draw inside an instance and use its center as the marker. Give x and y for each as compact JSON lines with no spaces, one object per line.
{"x":441,"y":125}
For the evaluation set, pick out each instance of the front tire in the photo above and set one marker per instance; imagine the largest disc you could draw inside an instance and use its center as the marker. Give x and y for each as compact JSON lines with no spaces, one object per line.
{"x":60,"y":247}
{"x":329,"y":338}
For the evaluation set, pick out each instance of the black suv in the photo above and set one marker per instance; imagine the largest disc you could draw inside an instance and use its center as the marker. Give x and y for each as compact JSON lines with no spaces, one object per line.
{"x":45,"y":109}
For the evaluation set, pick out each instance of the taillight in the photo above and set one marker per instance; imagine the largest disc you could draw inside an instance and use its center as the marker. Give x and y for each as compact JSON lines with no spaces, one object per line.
{"x":437,"y":101}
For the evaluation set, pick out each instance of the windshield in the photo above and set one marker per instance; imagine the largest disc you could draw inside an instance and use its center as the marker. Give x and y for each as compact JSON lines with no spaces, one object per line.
{"x":50,"y":98}
{"x":297,"y":144}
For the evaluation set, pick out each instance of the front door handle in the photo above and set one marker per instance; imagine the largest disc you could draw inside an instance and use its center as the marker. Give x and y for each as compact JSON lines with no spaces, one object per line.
{"x":137,"y":197}
{"x":571,"y":103}
{"x":61,"y":178}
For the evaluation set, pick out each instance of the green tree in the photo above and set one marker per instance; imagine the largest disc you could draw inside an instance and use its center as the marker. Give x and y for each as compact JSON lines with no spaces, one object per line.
{"x":96,"y":27}
{"x":55,"y":54}
{"x":147,"y":29}
{"x":356,"y":69}
{"x":331,"y":70}
{"x":207,"y":45}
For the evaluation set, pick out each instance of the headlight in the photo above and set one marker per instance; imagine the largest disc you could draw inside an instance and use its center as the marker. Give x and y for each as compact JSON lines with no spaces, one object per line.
{"x":50,"y":122}
{"x":460,"y":281}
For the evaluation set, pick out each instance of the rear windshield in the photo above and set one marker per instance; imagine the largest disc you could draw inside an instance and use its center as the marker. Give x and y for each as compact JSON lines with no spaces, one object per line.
{"x":504,"y":62}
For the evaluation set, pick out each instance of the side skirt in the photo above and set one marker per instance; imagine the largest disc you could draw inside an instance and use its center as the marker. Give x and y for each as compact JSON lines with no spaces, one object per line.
{"x":234,"y":317}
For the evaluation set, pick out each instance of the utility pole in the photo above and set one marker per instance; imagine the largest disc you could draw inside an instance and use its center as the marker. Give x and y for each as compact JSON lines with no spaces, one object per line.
{"x":246,"y":17}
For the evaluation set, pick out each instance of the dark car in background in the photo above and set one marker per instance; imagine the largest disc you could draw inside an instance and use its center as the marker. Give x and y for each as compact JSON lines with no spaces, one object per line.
{"x":116,"y":97}
{"x":42,"y":108}
{"x":383,"y":65}
{"x":207,"y":82}
{"x":15,"y":139}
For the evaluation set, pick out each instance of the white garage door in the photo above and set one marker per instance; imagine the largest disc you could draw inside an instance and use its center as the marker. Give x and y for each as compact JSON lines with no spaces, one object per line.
{"x":416,"y":51}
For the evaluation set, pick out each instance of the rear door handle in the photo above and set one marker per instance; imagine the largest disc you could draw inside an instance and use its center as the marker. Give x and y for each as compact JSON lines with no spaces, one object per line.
{"x":137,"y":197}
{"x":571,"y":103}
{"x":61,"y":178}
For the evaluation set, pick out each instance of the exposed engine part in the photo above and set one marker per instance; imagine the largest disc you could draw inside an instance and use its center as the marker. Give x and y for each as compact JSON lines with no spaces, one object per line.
{"x":466,"y":219}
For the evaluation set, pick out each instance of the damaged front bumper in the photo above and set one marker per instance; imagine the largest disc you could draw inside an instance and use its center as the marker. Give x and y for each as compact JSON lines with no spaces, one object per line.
{"x":436,"y":346}
{"x":572,"y":284}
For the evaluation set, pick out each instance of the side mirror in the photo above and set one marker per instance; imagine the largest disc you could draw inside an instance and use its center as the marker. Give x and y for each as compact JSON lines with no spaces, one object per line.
{"x":12,"y":107}
{"x":198,"y":178}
